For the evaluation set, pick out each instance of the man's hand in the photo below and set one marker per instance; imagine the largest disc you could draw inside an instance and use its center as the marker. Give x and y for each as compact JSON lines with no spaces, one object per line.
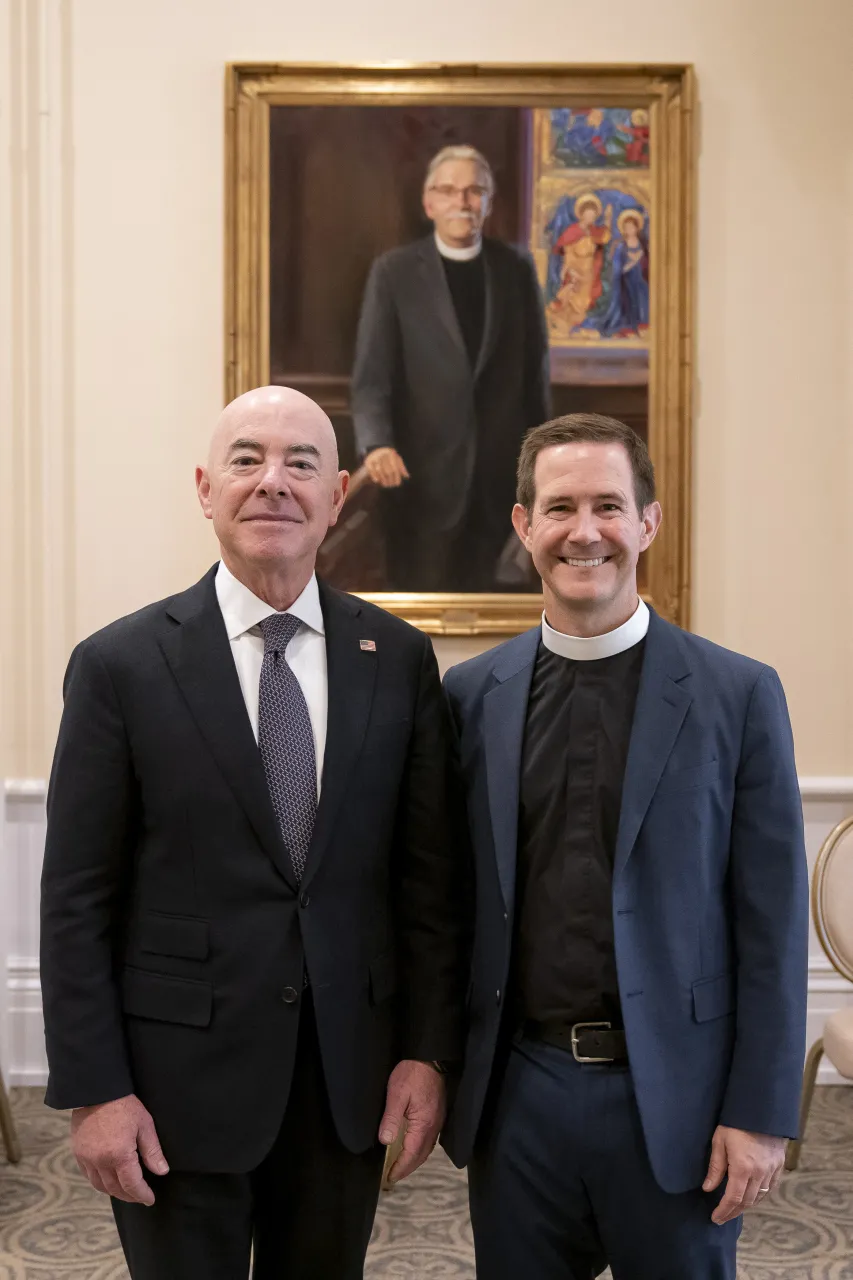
{"x":386,"y":468}
{"x":753,"y":1162}
{"x":416,"y":1094}
{"x":105,"y":1140}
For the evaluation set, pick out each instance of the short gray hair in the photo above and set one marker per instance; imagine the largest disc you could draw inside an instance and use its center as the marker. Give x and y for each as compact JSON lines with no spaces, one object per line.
{"x":461,"y":153}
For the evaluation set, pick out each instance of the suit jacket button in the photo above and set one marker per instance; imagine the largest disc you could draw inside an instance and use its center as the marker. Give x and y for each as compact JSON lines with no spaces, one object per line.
{"x":289,"y":995}
{"x":497,"y":996}
{"x":304,"y":900}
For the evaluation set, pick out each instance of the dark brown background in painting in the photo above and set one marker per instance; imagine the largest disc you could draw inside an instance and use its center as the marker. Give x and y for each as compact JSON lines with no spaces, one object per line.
{"x":345,"y":186}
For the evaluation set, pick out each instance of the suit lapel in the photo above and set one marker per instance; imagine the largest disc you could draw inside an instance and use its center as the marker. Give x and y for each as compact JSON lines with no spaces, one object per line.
{"x":436,"y":284}
{"x":504,"y":715}
{"x":199,"y":655}
{"x":351,"y":679}
{"x":495,"y":305}
{"x":662,"y":703}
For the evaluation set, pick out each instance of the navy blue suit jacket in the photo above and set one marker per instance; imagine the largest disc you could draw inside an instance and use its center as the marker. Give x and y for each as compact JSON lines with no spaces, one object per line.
{"x":710,"y":891}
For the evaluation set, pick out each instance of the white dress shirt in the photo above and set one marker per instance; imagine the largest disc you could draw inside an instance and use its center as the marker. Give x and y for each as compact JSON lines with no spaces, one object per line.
{"x":305,"y":654}
{"x":588,"y":648}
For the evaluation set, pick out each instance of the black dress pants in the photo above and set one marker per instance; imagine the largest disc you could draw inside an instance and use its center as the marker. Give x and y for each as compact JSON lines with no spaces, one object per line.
{"x":307,"y":1210}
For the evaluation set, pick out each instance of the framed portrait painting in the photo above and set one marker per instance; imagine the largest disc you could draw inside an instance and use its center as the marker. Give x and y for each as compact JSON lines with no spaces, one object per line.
{"x":443,"y":257}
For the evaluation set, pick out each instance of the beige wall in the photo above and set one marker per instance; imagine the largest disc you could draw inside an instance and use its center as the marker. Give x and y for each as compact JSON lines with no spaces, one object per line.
{"x":112,"y":306}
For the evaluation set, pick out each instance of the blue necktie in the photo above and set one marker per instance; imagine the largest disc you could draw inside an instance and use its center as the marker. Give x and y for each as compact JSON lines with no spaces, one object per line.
{"x":286,"y":741}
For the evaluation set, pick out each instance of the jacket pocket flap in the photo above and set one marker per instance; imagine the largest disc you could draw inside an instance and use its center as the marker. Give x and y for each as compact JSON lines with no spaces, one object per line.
{"x":166,"y":999}
{"x":383,"y":978}
{"x":181,"y":936}
{"x":687,"y":779}
{"x":713,"y":997}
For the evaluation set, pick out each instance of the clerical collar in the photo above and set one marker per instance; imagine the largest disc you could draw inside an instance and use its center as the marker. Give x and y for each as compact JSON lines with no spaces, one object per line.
{"x":458,"y":255}
{"x":588,"y":648}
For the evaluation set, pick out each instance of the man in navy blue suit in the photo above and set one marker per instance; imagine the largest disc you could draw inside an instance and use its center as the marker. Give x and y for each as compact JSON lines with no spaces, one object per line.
{"x":638,"y":983}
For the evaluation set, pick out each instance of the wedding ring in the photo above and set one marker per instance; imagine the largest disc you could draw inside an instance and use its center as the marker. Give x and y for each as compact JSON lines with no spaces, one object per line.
{"x":763,"y":1188}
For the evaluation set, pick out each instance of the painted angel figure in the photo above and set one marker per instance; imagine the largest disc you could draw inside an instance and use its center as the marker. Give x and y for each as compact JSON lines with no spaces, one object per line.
{"x":581,"y":246}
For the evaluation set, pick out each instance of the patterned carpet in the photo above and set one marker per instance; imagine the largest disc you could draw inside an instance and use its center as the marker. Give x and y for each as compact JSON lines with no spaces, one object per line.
{"x":54,"y":1227}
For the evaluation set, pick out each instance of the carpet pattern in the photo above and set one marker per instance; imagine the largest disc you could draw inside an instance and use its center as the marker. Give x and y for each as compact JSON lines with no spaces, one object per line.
{"x":54,"y":1227}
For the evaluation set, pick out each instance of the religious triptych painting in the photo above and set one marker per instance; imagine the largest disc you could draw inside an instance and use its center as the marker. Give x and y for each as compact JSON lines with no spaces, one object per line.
{"x":331,"y":252}
{"x":590,"y":232}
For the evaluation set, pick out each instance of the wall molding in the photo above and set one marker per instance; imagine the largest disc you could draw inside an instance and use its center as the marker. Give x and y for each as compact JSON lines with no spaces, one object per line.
{"x":26,"y":788}
{"x":811,"y":787}
{"x":829,"y":788}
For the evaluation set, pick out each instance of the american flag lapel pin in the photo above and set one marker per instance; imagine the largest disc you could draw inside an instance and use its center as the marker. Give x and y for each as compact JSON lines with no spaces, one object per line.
{"x":367,"y":646}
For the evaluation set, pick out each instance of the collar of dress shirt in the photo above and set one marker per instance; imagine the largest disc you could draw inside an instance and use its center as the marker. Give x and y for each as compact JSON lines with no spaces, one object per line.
{"x":458,"y":255}
{"x":242,"y":610}
{"x":587,"y":648}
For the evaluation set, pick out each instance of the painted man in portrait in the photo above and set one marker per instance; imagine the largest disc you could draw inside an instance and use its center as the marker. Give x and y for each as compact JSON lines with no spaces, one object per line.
{"x":451,"y":369}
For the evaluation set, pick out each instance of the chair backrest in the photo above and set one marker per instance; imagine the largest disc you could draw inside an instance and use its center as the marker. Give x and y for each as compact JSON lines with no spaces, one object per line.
{"x":832,"y":897}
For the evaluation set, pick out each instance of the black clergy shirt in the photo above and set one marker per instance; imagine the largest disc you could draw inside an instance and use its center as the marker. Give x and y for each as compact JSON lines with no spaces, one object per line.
{"x":579,"y":718}
{"x":467,"y":283}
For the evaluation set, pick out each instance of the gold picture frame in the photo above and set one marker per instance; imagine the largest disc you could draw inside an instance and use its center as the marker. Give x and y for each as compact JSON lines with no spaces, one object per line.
{"x":665,"y":92}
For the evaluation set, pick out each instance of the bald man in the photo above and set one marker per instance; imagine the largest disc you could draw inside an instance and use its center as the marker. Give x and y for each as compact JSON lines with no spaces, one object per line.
{"x":251,"y":936}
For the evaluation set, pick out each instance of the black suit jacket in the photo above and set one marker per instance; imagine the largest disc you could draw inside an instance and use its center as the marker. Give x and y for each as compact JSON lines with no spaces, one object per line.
{"x":173,"y":935}
{"x":412,"y":383}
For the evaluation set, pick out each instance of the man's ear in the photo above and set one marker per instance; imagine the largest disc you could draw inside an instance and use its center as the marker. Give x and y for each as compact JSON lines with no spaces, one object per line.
{"x":652,"y":516}
{"x":202,"y":488}
{"x":426,"y":201}
{"x":340,"y":496}
{"x":521,"y":524}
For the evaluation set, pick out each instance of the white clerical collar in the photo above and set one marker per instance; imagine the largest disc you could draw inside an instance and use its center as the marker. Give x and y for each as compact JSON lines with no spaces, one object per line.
{"x":242,"y":610}
{"x":458,"y":255}
{"x":587,"y":648}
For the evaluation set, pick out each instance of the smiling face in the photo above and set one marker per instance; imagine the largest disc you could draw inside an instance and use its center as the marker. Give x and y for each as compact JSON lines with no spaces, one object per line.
{"x":271,"y":485}
{"x":457,"y":202}
{"x":585,"y":535}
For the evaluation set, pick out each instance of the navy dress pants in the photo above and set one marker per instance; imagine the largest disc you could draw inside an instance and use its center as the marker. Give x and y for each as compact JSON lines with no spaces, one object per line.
{"x":561,"y":1185}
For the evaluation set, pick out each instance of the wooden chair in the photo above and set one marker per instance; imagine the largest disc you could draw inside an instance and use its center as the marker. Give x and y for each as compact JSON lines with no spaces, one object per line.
{"x":832,"y":909}
{"x":7,"y":1127}
{"x":353,"y":553}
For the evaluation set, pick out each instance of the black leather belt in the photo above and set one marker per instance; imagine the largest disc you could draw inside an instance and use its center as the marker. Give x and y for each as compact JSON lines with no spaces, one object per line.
{"x":586,"y":1041}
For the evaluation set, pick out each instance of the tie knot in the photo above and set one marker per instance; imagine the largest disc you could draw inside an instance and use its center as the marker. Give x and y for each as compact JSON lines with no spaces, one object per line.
{"x":278,"y":630}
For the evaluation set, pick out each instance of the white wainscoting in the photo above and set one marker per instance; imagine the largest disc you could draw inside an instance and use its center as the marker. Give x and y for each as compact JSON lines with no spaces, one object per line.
{"x":825,"y":802}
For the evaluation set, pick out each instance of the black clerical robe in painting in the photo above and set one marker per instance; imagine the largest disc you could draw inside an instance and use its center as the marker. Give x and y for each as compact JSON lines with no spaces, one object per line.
{"x":452,"y":377}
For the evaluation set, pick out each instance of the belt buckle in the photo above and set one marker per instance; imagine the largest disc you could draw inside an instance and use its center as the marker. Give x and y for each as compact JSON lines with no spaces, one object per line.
{"x":588,"y":1026}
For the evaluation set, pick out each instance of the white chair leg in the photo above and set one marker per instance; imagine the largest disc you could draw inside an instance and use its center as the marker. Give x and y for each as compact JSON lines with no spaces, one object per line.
{"x":792,"y":1158}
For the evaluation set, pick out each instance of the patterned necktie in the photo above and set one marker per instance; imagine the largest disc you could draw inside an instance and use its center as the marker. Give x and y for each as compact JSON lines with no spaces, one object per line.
{"x":286,"y":741}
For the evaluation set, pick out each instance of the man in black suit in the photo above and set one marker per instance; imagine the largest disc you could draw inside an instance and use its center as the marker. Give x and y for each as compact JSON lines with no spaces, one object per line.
{"x":239,"y":976}
{"x":451,"y":368}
